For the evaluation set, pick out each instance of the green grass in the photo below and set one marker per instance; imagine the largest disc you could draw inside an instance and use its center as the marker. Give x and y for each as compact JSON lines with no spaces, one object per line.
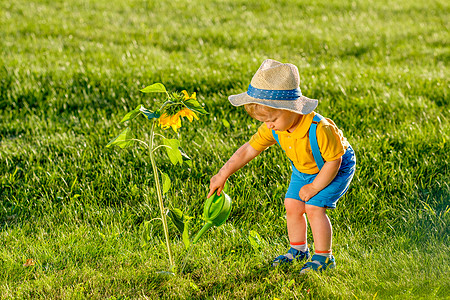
{"x":70,"y":71}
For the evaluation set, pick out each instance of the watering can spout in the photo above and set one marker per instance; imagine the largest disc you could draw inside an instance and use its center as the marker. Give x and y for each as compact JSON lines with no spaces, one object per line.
{"x":205,"y":228}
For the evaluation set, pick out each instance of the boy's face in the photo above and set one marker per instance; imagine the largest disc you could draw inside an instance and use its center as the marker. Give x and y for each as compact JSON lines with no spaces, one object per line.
{"x":282,"y":120}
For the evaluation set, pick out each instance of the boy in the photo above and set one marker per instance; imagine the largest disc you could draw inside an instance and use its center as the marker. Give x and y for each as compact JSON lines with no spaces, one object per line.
{"x":323,"y":162}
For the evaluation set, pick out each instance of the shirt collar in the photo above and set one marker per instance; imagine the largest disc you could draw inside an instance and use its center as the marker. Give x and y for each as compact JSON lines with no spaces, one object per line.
{"x":302,"y":128}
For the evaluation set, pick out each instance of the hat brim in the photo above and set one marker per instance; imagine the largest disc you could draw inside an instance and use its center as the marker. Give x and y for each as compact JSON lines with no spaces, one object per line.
{"x":302,"y":105}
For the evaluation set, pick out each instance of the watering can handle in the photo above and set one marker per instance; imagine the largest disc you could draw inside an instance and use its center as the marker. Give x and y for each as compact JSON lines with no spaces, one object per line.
{"x":226,"y":187}
{"x":209,"y":201}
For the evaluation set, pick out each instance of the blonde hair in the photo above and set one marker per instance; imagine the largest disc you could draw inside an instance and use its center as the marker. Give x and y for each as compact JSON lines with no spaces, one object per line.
{"x":258,"y":111}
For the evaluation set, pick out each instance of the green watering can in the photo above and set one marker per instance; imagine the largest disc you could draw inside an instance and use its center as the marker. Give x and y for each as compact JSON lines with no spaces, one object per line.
{"x":216,"y":211}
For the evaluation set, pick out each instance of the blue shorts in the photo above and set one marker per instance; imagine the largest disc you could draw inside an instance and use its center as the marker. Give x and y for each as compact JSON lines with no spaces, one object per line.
{"x":329,"y":196}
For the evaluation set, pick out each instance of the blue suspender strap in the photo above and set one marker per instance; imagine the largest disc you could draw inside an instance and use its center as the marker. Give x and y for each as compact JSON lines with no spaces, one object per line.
{"x":275,"y":136}
{"x":313,"y":141}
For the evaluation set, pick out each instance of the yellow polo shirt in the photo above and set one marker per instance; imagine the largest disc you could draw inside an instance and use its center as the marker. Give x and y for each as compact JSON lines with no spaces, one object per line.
{"x":332,"y":143}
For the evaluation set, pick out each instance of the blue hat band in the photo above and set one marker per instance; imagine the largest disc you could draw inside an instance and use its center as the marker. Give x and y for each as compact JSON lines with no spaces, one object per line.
{"x":290,"y":95}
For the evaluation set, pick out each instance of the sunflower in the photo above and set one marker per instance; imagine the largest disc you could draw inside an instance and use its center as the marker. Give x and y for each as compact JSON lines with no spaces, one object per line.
{"x":178,"y":111}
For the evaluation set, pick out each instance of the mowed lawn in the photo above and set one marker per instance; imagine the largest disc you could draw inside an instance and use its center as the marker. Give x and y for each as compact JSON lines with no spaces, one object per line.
{"x":74,"y":215}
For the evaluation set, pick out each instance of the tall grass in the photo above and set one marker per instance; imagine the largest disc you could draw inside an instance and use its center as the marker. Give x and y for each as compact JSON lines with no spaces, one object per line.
{"x":71,"y":69}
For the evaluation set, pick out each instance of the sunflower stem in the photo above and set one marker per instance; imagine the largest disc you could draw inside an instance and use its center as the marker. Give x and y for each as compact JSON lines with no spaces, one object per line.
{"x":159,"y":194}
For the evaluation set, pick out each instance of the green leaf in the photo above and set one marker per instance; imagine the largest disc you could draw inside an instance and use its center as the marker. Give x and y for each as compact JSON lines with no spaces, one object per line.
{"x":194,"y":105}
{"x":255,"y":240}
{"x":225,"y":123}
{"x":176,"y":215}
{"x":154,"y":88}
{"x":180,"y":221}
{"x":172,"y":150}
{"x":166,"y":182}
{"x":132,"y":114}
{"x":123,"y":140}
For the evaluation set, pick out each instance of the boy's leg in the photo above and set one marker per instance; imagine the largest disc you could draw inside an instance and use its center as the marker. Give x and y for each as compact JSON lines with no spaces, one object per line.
{"x":296,"y":221}
{"x":296,"y":224}
{"x":320,"y":227}
{"x":322,"y":233}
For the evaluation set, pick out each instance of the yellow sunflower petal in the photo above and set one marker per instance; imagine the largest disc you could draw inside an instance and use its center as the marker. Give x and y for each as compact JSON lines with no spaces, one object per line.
{"x":186,"y":95}
{"x":183,"y":112}
{"x":161,"y":120}
{"x":166,"y":121}
{"x":175,"y":118}
{"x":191,"y":115}
{"x":175,"y":121}
{"x":176,"y":125}
{"x":190,"y":118}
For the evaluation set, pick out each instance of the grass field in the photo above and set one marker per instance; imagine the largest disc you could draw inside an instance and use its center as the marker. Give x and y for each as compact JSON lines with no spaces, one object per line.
{"x":70,"y":70}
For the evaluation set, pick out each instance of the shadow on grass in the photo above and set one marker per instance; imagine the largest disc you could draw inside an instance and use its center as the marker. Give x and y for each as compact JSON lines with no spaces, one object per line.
{"x":243,"y":281}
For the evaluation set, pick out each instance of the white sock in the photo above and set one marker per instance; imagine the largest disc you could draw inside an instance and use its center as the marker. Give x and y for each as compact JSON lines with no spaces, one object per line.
{"x":302,"y":247}
{"x":327,"y":254}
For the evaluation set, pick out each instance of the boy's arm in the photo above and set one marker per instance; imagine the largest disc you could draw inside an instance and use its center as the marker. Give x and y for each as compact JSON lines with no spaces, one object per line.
{"x":325,"y":176}
{"x":239,"y":159}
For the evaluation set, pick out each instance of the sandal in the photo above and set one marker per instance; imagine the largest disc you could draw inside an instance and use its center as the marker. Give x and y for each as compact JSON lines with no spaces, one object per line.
{"x":290,"y":256}
{"x":319,"y":263}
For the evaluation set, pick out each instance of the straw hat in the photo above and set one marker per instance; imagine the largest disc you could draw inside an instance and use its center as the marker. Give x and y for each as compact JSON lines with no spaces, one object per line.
{"x":276,"y":85}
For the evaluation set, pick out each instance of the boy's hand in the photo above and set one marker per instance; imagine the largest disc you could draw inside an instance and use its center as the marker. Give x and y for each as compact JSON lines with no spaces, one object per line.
{"x":307,"y":192}
{"x":216,"y":184}
{"x":322,"y":180}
